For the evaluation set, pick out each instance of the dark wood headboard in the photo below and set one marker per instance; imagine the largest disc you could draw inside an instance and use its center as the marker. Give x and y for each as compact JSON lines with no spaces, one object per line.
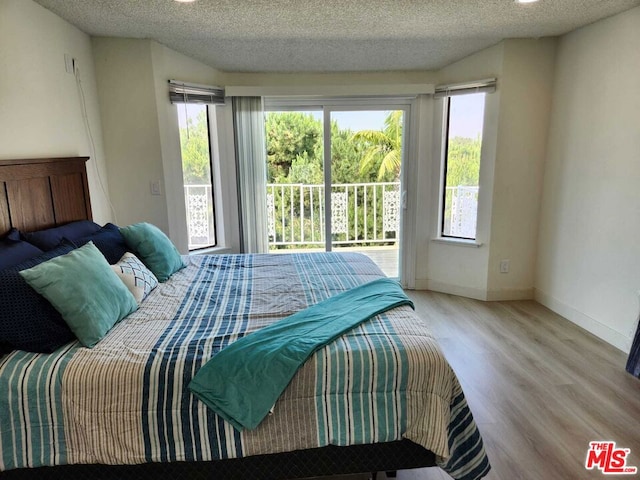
{"x":43,"y":192}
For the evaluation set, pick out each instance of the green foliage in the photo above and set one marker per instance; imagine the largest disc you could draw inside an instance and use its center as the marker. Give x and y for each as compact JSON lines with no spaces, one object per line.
{"x":295,"y":155}
{"x":383,"y":148}
{"x":295,"y":151}
{"x":463,"y":161}
{"x":291,"y":135}
{"x":463,"y":169}
{"x":194,"y":141}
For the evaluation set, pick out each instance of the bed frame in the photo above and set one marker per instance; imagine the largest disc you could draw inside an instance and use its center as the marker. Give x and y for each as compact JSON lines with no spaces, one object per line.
{"x":42,"y":193}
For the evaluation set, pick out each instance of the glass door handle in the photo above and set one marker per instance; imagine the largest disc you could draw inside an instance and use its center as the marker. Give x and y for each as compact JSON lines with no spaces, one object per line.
{"x":404,"y":200}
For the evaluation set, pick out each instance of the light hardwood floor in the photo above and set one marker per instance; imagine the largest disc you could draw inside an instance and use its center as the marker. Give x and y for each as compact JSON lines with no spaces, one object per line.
{"x":540,"y":388}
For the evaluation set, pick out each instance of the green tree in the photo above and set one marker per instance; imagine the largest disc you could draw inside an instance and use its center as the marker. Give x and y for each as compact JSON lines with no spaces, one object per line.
{"x":295,"y":151}
{"x":384,"y":147}
{"x":463,"y":161}
{"x":291,"y":135}
{"x":295,"y":155}
{"x":194,"y":141}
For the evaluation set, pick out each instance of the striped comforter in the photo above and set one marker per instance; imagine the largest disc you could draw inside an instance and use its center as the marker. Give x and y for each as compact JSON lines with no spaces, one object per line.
{"x":126,"y":400}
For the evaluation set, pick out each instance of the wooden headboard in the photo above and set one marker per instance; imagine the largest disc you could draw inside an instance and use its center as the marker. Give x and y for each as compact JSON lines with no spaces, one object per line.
{"x":43,"y":192}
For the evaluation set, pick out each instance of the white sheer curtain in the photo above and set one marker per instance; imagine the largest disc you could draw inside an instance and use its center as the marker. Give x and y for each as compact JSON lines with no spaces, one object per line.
{"x":251,"y":152}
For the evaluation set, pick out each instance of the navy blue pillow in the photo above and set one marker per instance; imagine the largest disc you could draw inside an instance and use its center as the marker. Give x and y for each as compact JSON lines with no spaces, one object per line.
{"x":52,"y":237}
{"x":5,"y":349}
{"x":14,"y":251}
{"x":108,"y":240}
{"x":28,"y":321}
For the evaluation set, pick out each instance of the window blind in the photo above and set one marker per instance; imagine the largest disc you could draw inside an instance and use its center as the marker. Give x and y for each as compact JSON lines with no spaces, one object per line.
{"x":181,"y":92}
{"x":481,"y":86}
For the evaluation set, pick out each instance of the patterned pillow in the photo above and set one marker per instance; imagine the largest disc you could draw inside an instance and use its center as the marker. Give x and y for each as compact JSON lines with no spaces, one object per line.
{"x":138,"y":278}
{"x":27,"y":320}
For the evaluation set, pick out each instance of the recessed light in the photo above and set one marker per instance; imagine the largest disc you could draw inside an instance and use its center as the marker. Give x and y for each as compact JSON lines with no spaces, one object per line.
{"x":526,"y":1}
{"x":191,"y":1}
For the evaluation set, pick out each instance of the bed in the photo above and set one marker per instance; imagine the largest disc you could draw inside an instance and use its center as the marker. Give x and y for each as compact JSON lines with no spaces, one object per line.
{"x":380,"y":398}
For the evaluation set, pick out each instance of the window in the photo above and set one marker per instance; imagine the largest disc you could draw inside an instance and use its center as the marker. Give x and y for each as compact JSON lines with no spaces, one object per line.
{"x":195,"y":146}
{"x":463,"y":122}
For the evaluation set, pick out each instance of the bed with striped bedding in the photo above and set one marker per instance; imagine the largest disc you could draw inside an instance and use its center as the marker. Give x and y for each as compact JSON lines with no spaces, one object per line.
{"x":126,"y":400}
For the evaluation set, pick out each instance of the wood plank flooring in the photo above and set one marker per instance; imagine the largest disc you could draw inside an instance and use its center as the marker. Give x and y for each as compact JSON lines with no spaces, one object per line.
{"x":540,"y":388}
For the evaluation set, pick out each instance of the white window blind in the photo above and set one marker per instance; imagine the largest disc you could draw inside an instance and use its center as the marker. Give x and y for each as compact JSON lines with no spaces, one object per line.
{"x":181,"y":92}
{"x":481,"y":86}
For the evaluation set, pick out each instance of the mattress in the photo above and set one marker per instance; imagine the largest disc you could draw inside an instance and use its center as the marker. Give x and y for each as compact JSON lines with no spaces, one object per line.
{"x":126,"y":400}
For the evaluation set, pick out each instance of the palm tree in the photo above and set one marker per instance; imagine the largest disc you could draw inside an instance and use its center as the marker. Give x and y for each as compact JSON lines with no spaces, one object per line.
{"x":385,"y":146}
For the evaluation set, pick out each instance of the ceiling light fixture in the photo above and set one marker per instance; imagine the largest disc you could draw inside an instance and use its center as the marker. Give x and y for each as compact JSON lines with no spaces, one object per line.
{"x":191,"y":1}
{"x":526,"y":1}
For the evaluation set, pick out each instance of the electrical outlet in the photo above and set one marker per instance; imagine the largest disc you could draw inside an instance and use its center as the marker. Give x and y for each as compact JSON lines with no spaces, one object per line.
{"x":504,"y":266}
{"x":156,"y":187}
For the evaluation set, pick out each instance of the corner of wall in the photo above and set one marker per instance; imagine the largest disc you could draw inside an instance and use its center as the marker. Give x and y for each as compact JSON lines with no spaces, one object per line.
{"x":132,"y":138}
{"x":526,"y":87}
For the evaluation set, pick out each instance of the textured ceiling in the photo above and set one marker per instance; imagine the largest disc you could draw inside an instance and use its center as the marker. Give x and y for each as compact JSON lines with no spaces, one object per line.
{"x":330,"y":35}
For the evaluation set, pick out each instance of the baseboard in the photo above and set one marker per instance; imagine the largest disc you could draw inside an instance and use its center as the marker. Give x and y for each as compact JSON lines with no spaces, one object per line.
{"x":505,"y":294}
{"x":475,"y":293}
{"x":590,"y":324}
{"x":470,"y":292}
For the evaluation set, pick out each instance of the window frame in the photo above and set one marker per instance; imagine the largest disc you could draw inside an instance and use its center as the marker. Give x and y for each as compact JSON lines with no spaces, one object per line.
{"x":215,"y":243}
{"x":446,"y":123}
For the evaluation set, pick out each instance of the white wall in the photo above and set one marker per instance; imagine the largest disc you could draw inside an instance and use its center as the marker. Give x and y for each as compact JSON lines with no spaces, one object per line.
{"x":132,"y":136}
{"x":513,"y":152}
{"x":525,"y":104}
{"x":142,"y":141}
{"x":40,"y":112}
{"x":448,"y":267}
{"x":588,"y":266}
{"x":167,"y":65}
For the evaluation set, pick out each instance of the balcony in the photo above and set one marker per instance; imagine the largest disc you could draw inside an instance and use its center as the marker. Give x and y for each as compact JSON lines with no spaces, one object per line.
{"x":200,"y":223}
{"x":365,"y":217}
{"x":362,"y":214}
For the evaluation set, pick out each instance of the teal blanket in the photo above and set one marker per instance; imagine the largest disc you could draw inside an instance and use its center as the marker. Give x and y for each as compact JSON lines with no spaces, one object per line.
{"x":242,"y":382}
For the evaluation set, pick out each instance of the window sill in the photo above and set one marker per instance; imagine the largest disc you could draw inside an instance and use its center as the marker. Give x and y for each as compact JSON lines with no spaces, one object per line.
{"x":460,"y":242}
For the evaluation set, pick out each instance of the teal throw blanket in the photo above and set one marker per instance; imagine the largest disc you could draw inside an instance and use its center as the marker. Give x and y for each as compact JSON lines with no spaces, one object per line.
{"x":242,"y":382}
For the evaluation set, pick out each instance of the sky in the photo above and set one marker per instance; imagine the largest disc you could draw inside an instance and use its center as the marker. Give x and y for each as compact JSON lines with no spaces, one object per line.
{"x":361,"y":120}
{"x":466,"y":116}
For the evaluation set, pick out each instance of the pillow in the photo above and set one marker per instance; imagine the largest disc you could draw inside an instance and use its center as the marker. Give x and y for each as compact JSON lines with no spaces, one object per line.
{"x":4,"y":349}
{"x":138,"y":278}
{"x":52,"y":237}
{"x":108,"y":240}
{"x":154,"y":248}
{"x":83,"y":288}
{"x":13,"y":250}
{"x":28,"y":321}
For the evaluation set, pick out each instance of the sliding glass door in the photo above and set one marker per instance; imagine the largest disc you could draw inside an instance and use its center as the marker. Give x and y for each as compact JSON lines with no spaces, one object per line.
{"x":295,"y":181}
{"x":366,"y":165}
{"x":334,"y":180}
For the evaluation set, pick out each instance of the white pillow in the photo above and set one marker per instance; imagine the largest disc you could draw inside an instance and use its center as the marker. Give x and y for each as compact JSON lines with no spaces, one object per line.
{"x":138,"y":278}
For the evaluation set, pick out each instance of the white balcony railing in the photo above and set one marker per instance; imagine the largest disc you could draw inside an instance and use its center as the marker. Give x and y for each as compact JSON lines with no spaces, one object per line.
{"x":200,"y":224}
{"x":361,"y":213}
{"x":461,"y":215}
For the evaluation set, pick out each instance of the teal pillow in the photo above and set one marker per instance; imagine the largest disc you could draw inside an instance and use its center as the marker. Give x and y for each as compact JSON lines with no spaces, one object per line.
{"x":154,"y":248}
{"x":85,"y":290}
